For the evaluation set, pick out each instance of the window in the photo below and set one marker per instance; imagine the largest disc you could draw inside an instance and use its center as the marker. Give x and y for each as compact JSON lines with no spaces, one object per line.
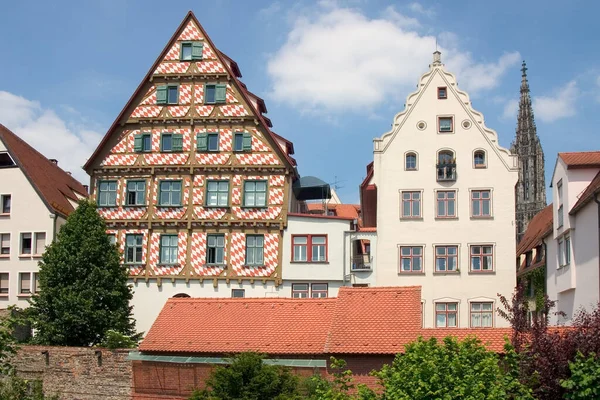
{"x":167,"y":94}
{"x":561,"y":252}
{"x":539,"y":253}
{"x":25,"y":283}
{"x":36,"y":282}
{"x":214,"y":94}
{"x":242,"y":141}
{"x":479,"y":159}
{"x":482,"y":258}
{"x":445,"y":124}
{"x":216,"y":249}
{"x":4,"y":244}
{"x":481,"y":315}
{"x":255,"y":250}
{"x":481,"y":203}
{"x":446,"y":315}
{"x":410,"y":162}
{"x":171,"y":142}
{"x":168,"y":249}
{"x":207,"y":141}
{"x":528,"y":259}
{"x":300,"y":290}
{"x":142,"y":143}
{"x":26,"y":243}
{"x":411,"y":204}
{"x":318,"y":290}
{"x":446,"y":166}
{"x":559,"y":189}
{"x":446,"y":204}
{"x":446,"y":258}
{"x":169,"y":194}
{"x":411,"y":259}
{"x":112,"y":238}
{"x":309,"y":248}
{"x":217,"y":193}
{"x":442,"y":93}
{"x":191,"y":51}
{"x":567,"y":250}
{"x":40,"y":243}
{"x":136,"y":193}
{"x":5,"y":199}
{"x":5,"y":160}
{"x":255,"y":193}
{"x":133,"y":249}
{"x":107,"y":193}
{"x":238,"y":293}
{"x":4,"y":282}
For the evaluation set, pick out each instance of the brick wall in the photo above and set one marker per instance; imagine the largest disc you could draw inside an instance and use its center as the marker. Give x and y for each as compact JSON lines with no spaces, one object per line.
{"x":76,"y":372}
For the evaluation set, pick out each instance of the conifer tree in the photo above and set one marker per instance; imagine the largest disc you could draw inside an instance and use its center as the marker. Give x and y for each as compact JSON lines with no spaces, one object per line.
{"x":83,"y":286}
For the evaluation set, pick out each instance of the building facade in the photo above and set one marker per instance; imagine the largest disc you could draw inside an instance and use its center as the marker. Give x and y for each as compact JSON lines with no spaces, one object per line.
{"x":530,"y":191}
{"x":443,"y":189}
{"x":35,"y":198}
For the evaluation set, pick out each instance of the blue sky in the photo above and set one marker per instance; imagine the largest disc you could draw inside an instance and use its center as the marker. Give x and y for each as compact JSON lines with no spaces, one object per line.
{"x":333,"y":73}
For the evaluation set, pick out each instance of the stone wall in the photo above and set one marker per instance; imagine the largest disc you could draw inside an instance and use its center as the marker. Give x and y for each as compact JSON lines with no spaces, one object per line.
{"x":77,"y":372}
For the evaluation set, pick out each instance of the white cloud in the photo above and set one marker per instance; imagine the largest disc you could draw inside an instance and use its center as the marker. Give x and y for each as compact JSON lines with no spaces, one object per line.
{"x":70,"y":142}
{"x":510,"y":109}
{"x":337,"y":59}
{"x":560,"y":105}
{"x":418,"y":8}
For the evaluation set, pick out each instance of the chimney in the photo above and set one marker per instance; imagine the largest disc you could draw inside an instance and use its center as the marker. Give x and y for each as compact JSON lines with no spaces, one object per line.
{"x":54,"y":161}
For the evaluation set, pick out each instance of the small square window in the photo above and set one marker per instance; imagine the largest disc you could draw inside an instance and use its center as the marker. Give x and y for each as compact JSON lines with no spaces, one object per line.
{"x":213,"y":141}
{"x":318,"y":290}
{"x":166,"y":143}
{"x":238,"y":142}
{"x":445,"y":124}
{"x":411,"y":259}
{"x":146,"y":143}
{"x":446,"y":315}
{"x":255,"y":193}
{"x":4,"y":244}
{"x":482,"y":258}
{"x":167,"y":94}
{"x":446,"y":258}
{"x":169,"y":194}
{"x":25,"y":283}
{"x":238,"y":293}
{"x":26,"y":244}
{"x":300,"y":290}
{"x":191,"y":51}
{"x":215,"y":93}
{"x":172,"y":95}
{"x":5,"y":201}
{"x":4,"y":282}
{"x":186,"y":51}
{"x":217,"y":193}
{"x":107,"y":193}
{"x":482,"y":315}
{"x":136,"y":193}
{"x":442,"y":93}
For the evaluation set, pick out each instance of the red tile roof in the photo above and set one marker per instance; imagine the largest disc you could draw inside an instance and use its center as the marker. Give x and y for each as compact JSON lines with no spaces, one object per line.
{"x":588,"y":194}
{"x":359,"y":321}
{"x":539,"y":227}
{"x":54,"y":186}
{"x":350,"y":211}
{"x":582,"y":159}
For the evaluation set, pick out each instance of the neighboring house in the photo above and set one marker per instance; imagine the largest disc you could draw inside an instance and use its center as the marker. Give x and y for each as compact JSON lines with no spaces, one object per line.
{"x":35,"y":198}
{"x":196,"y":189}
{"x":441,"y":196}
{"x":366,"y":327}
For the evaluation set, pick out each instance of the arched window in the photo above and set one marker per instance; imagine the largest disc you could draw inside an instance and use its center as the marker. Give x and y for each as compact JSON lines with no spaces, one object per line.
{"x":410,"y":163}
{"x":479,"y":160}
{"x":446,"y":166}
{"x":181,"y":295}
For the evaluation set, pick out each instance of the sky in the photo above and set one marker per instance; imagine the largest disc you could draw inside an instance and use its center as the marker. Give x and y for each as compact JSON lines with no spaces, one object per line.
{"x":333,"y":73}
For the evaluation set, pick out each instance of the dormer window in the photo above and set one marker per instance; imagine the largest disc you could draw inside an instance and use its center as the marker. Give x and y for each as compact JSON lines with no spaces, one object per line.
{"x":445,"y":124}
{"x":442,"y":93}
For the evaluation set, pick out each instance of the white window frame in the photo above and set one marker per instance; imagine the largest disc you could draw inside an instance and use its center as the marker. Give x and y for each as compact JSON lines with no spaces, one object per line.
{"x":2,"y":196}
{"x":21,"y":254}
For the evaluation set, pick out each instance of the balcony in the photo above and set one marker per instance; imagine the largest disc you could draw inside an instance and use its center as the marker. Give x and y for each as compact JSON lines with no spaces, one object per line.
{"x":361,"y":263}
{"x":446,"y":172}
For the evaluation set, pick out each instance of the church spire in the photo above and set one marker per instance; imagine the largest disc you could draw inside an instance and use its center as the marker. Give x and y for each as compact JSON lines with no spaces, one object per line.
{"x":530,"y":191}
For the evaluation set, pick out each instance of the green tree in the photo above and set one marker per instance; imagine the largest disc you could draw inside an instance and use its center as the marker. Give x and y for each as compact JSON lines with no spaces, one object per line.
{"x":8,"y":346}
{"x":450,"y":370}
{"x":14,"y":388}
{"x":249,"y":378}
{"x":84,"y":291}
{"x":584,"y":382}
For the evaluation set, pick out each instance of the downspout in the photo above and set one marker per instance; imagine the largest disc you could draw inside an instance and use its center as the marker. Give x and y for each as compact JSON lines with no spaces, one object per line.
{"x":54,"y":227}
{"x":598,"y":216}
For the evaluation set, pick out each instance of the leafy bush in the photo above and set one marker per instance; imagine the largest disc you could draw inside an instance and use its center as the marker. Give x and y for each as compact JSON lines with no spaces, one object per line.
{"x":15,"y":388}
{"x":584,"y":382}
{"x":116,"y":340}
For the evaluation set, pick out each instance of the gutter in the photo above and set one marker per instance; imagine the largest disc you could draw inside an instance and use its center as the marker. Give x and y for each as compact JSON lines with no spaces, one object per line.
{"x":598,"y":217}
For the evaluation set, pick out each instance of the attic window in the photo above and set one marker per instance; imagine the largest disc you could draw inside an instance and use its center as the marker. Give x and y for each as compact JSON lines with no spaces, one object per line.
{"x":168,"y":94}
{"x":214,"y":94}
{"x":442,"y":93}
{"x":191,"y":51}
{"x":5,"y":160}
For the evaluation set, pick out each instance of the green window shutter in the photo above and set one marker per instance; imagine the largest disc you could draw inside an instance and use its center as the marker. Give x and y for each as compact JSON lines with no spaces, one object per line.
{"x":161,"y":95}
{"x":247,"y":144}
{"x":220,"y":93}
{"x":138,"y":143}
{"x":197,"y":48}
{"x":202,"y":140}
{"x":177,"y":142}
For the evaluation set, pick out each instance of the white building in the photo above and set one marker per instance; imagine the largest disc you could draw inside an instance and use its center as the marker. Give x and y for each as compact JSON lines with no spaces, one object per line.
{"x":35,"y":198}
{"x":445,"y":205}
{"x":571,"y":237}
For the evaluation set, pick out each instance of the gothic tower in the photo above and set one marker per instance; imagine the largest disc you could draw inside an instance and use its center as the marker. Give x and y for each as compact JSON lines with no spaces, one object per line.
{"x":530,"y":191}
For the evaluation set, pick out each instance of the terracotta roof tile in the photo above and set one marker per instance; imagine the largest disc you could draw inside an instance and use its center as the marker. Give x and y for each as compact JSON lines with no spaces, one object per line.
{"x":350,"y":211}
{"x":359,"y":321}
{"x":539,"y":227}
{"x":588,"y":194}
{"x":54,"y":186}
{"x":582,"y":159}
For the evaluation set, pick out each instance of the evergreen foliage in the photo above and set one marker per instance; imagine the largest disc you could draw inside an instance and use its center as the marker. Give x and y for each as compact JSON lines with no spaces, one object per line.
{"x":83,"y":286}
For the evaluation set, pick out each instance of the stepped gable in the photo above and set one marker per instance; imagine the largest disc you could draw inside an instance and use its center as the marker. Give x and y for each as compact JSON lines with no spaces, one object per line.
{"x":55,"y":187}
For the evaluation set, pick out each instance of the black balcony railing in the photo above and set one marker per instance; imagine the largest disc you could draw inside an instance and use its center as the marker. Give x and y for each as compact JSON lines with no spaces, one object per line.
{"x":446,"y":172}
{"x":361,"y":263}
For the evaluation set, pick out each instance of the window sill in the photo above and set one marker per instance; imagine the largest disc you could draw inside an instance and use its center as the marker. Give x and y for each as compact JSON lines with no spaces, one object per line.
{"x":208,"y":151}
{"x":411,"y":273}
{"x":411,"y":218}
{"x":446,"y":327}
{"x":5,"y":215}
{"x":216,"y":265}
{"x":254,"y":207}
{"x":5,"y":256}
{"x":168,"y":265}
{"x":24,"y":295}
{"x":108,"y":206}
{"x":254,"y":266}
{"x":446,"y":218}
{"x":135,"y":205}
{"x":37,"y":256}
{"x":134,"y":265}
{"x":309,"y":262}
{"x":159,"y":206}
{"x":445,"y":132}
{"x":4,"y":296}
{"x":410,"y":169}
{"x":480,"y":166}
{"x":446,"y":272}
{"x":25,"y":256}
{"x":207,"y":206}
{"x":484,"y":217}
{"x":482,"y":272}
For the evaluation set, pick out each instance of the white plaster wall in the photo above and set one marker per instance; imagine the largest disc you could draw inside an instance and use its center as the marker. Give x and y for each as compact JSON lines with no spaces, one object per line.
{"x":28,"y":214}
{"x":500,"y":177}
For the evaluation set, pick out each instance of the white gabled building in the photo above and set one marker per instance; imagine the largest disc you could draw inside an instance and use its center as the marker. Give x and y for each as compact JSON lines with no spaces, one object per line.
{"x":35,"y":198}
{"x":445,"y":205}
